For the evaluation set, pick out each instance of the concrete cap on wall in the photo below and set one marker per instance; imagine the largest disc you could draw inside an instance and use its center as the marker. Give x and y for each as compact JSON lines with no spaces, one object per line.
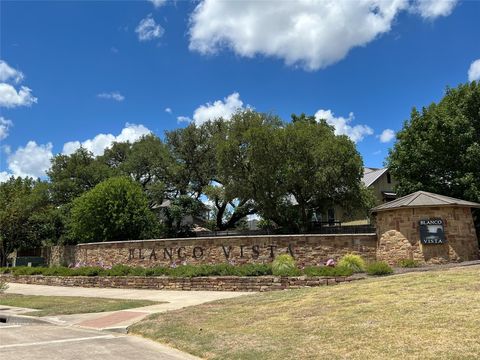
{"x":423,"y":199}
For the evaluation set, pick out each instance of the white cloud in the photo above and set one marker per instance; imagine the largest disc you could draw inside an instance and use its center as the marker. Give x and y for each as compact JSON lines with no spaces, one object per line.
{"x":148,"y":29}
{"x":158,"y":3}
{"x":168,"y":110}
{"x":183,"y":119}
{"x":10,"y":98}
{"x":310,"y":33}
{"x":114,"y":95}
{"x":431,"y":9}
{"x":219,"y":109}
{"x":97,"y":145}
{"x":474,"y":71}
{"x":32,"y":160}
{"x":342,"y":125}
{"x":387,"y":135}
{"x":5,"y":126}
{"x":8,"y":73}
{"x":4,"y":176}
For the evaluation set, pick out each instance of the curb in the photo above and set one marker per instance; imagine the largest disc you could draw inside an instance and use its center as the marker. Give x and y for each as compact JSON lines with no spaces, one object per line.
{"x":24,"y":320}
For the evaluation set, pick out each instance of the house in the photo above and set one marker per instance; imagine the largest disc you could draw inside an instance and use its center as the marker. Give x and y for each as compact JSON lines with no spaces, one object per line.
{"x":380,"y":181}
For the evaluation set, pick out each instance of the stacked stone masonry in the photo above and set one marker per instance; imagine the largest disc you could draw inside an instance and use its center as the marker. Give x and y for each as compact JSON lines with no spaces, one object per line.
{"x":308,"y":250}
{"x":213,"y":283}
{"x":399,"y":235}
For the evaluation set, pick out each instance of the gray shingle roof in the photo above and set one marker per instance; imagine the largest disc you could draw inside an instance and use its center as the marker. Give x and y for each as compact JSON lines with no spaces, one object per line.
{"x":370,"y":175}
{"x":423,"y":199}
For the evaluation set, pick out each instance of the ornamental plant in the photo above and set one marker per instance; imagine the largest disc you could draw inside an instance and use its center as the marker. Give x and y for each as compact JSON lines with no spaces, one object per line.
{"x":379,"y":268}
{"x":408,"y":263}
{"x":353,"y":262}
{"x":284,"y":265}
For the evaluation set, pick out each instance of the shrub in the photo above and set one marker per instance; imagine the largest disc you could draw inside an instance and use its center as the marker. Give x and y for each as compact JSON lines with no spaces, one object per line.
{"x":58,"y":271}
{"x":284,"y":265}
{"x":254,"y":270}
{"x":327,"y":271}
{"x":379,"y":268}
{"x":118,"y":270}
{"x":353,"y":262}
{"x":3,"y":286}
{"x":408,"y":263}
{"x":90,"y":271}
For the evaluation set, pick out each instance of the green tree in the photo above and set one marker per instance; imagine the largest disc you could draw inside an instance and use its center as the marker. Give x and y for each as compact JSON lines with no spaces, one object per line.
{"x":289,"y":170}
{"x":116,"y":209}
{"x":22,"y":203}
{"x":72,"y":175}
{"x":248,"y":159}
{"x":146,"y":161}
{"x":438,"y":149}
{"x":320,"y":169}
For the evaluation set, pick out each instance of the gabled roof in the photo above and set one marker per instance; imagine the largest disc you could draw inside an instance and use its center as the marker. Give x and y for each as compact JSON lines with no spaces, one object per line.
{"x":370,"y":175}
{"x":424,"y":199}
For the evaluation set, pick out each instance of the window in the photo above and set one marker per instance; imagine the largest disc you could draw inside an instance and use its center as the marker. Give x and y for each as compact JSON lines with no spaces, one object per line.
{"x":389,"y":178}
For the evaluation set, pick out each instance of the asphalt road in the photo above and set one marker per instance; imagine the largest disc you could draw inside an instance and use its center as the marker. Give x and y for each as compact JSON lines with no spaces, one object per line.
{"x":37,"y":342}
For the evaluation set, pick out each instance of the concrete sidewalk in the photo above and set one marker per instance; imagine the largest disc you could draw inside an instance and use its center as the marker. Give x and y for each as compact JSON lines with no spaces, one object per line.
{"x":33,"y":342}
{"x":120,"y":320}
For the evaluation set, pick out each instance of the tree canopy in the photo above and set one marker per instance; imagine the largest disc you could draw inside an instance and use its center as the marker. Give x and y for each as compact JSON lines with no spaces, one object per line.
{"x":438,"y":149}
{"x":115,"y":209}
{"x":252,"y":163}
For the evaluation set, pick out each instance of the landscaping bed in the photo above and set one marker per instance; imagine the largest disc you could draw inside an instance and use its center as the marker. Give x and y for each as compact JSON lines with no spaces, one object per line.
{"x":213,"y":283}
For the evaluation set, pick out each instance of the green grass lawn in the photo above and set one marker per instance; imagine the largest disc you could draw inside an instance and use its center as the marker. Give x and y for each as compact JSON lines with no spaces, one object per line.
{"x":64,"y":305}
{"x":432,"y":315}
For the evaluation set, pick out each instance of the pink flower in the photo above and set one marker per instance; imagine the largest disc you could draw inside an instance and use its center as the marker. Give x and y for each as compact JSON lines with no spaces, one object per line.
{"x":330,"y":262}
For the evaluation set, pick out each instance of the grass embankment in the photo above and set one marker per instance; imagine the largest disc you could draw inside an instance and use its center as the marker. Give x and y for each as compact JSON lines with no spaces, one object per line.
{"x":434,"y":315}
{"x":64,"y":305}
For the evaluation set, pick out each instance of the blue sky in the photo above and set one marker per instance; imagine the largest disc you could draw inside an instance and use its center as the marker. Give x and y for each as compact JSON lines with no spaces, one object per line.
{"x":73,"y":70}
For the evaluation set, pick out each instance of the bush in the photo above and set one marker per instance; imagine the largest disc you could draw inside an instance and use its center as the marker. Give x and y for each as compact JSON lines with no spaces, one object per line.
{"x":3,"y":286}
{"x":379,"y":268}
{"x":408,"y":263}
{"x":284,"y":265}
{"x":115,"y":209}
{"x":327,"y":271}
{"x":353,"y":262}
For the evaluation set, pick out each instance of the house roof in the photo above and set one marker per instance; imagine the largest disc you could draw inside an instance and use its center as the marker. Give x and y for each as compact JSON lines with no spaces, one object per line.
{"x":370,"y":175}
{"x":424,"y":199}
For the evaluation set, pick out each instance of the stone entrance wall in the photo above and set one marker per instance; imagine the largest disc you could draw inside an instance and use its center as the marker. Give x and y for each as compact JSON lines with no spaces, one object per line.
{"x":399,"y":235}
{"x":308,"y":250}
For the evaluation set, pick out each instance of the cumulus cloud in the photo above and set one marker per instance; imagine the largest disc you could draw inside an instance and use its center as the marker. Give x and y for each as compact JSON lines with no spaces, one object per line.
{"x":7,"y":73}
{"x":97,"y":145}
{"x":311,"y":34}
{"x":10,"y":98}
{"x":342,"y":125}
{"x":181,"y":119}
{"x":387,"y":135}
{"x":4,"y":176}
{"x":158,"y":3}
{"x":148,"y":29}
{"x":218,"y":109}
{"x":114,"y":95}
{"x":168,"y":110}
{"x":474,"y":71}
{"x":31,"y":160}
{"x":431,"y":9}
{"x":5,"y":126}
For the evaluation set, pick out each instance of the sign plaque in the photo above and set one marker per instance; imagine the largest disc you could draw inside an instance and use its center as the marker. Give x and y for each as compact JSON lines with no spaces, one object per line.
{"x":431,"y":231}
